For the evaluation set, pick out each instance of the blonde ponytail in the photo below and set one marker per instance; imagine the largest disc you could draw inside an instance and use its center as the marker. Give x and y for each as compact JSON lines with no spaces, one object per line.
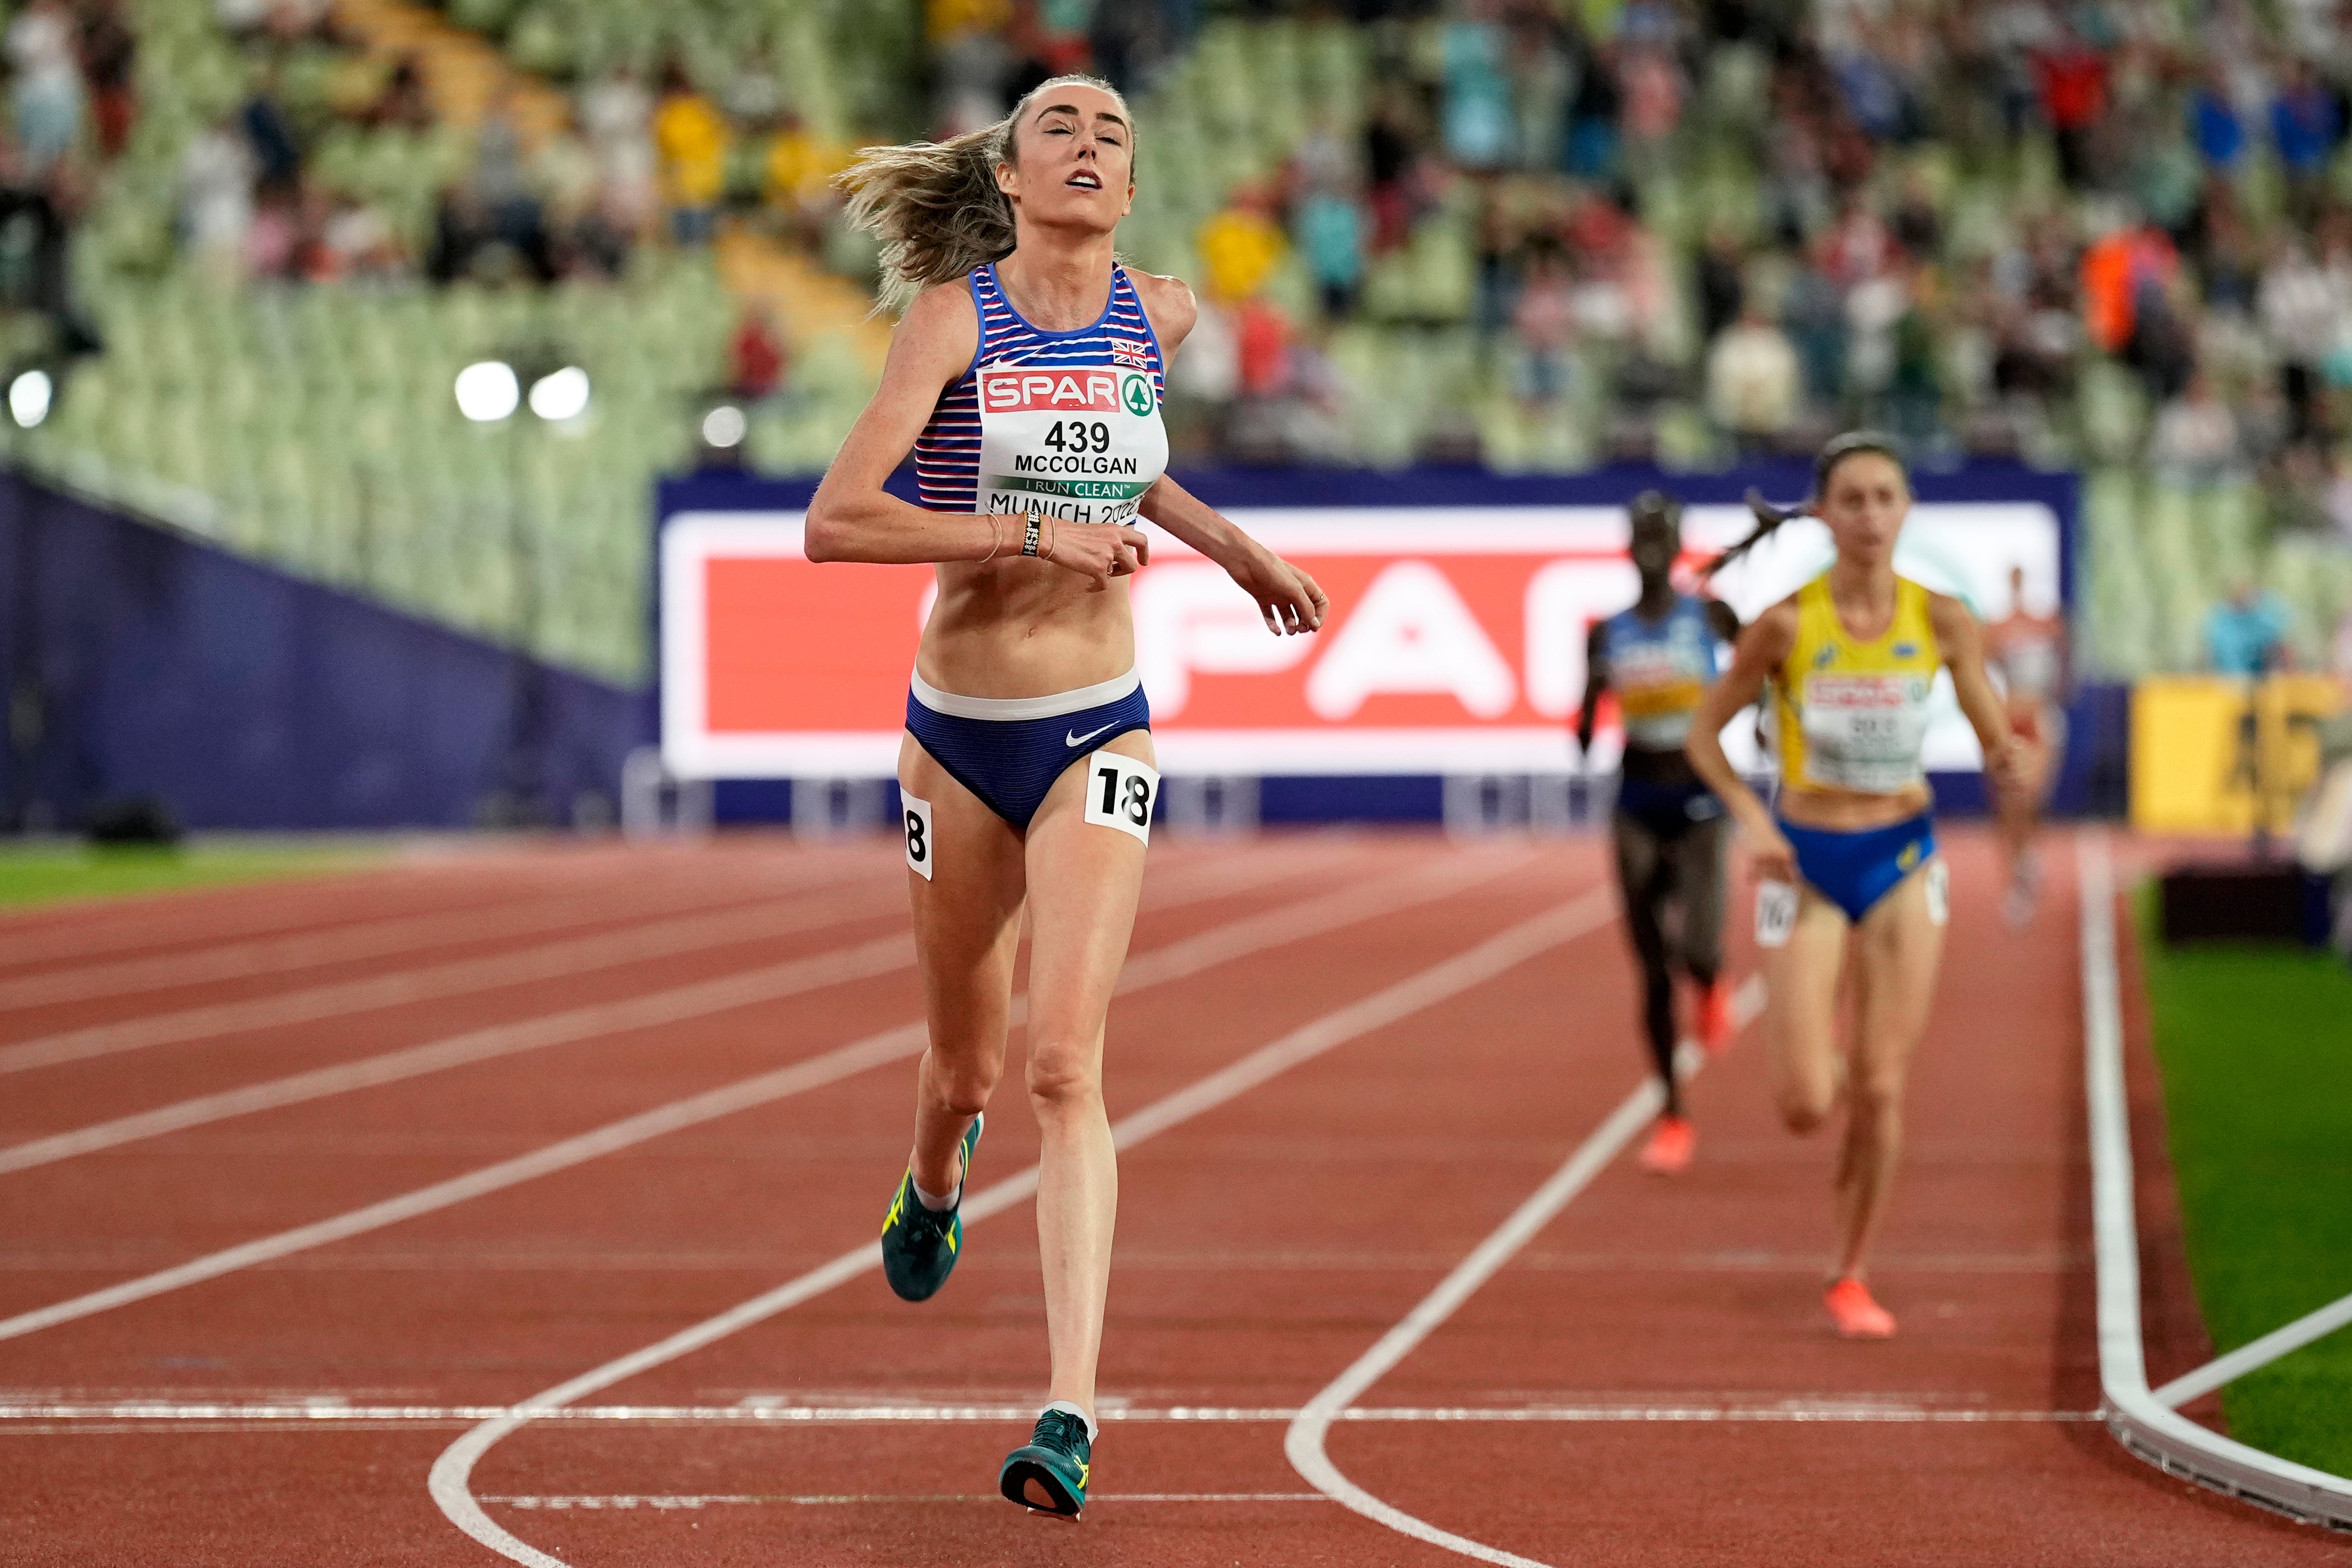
{"x":934,"y":204}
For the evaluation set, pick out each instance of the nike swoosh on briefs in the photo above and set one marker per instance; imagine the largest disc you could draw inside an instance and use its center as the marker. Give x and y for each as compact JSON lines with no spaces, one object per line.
{"x":1069,"y":739}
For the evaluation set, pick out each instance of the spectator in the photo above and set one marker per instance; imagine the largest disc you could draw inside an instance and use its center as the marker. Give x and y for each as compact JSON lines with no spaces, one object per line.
{"x":691,"y":137}
{"x":2195,"y":441}
{"x":2215,"y":125}
{"x":801,"y":165}
{"x":1331,"y":234}
{"x":2300,"y":308}
{"x":1477,"y":103}
{"x":40,"y":45}
{"x":1239,"y":246}
{"x":2073,"y":76}
{"x":217,"y":180}
{"x":2306,"y":123}
{"x":1754,"y":381}
{"x":1545,"y":316}
{"x":1716,"y":282}
{"x":1262,"y":338}
{"x":1594,"y":116}
{"x":618,"y":116}
{"x":110,"y":51}
{"x":755,"y":355}
{"x":2246,"y":633}
{"x":278,"y":157}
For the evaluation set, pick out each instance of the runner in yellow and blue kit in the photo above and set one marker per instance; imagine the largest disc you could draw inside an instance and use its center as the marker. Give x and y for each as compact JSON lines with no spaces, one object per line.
{"x":1847,"y":868}
{"x":1659,"y":656}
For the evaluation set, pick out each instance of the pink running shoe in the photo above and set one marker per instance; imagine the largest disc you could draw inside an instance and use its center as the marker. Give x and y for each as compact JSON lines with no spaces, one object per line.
{"x":1668,"y":1152}
{"x":1718,"y":1026}
{"x":1858,"y":1316}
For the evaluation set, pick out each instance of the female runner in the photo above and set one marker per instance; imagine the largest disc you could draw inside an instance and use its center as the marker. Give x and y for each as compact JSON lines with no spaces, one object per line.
{"x":2029,"y":652}
{"x":1848,"y":866}
{"x":1026,"y":376}
{"x":1659,"y":657}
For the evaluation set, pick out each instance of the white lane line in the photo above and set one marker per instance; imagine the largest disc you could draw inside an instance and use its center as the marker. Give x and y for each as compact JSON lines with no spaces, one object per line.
{"x":1234,"y":939}
{"x":661,"y":1502}
{"x":2255,"y":1354}
{"x":1304,"y":1444}
{"x":452,"y":1472}
{"x":320,"y":1412}
{"x":653,"y":1009}
{"x":662,"y":938}
{"x":385,"y":938}
{"x":2145,"y":1427}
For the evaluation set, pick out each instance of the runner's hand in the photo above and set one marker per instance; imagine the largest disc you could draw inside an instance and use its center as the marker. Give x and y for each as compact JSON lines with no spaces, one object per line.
{"x":1292,"y":603}
{"x":1770,"y":857}
{"x":2005,"y":765}
{"x":1099,"y":553}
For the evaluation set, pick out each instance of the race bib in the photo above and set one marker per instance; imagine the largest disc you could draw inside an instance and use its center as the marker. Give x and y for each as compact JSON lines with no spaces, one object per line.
{"x":1080,"y":444}
{"x":1864,"y":732}
{"x":1940,"y":894}
{"x":1121,"y":793}
{"x":1776,"y":912}
{"x":917,"y":820}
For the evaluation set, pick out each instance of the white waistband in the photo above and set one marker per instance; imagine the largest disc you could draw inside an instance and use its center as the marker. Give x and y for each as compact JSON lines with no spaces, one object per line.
{"x":1050,"y":707}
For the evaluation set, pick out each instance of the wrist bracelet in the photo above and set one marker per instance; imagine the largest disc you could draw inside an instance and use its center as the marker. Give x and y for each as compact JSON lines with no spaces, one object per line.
{"x":1029,"y":536}
{"x":995,"y":537}
{"x":1052,"y":538}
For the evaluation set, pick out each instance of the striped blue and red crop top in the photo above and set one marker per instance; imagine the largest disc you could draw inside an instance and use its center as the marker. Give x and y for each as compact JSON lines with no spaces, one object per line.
{"x":1066,"y":423}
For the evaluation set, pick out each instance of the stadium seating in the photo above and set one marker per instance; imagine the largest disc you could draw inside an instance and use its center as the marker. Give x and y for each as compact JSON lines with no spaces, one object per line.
{"x":312,"y":425}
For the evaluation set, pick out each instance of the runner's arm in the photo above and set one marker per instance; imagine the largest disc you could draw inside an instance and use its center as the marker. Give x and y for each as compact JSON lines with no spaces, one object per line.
{"x":1596,"y":681}
{"x":1761,"y":650}
{"x":1290,"y":601}
{"x":1960,"y":641}
{"x":852,"y":518}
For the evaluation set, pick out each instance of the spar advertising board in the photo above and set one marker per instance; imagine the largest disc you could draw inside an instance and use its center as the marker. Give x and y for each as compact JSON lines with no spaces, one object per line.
{"x":1456,"y":642}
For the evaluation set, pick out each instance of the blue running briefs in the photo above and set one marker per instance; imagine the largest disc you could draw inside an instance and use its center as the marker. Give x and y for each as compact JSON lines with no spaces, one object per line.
{"x":1854,"y":871}
{"x":1009,"y":751}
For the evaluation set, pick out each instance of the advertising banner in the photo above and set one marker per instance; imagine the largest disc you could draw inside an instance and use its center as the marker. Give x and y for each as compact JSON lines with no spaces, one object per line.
{"x":1456,"y":642}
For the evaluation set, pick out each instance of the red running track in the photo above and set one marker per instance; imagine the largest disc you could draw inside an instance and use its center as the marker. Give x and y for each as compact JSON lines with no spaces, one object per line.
{"x":1651,"y":1378}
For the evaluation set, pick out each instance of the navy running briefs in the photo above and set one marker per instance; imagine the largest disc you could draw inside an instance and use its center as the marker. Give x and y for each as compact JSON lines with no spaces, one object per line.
{"x":1008,"y":751}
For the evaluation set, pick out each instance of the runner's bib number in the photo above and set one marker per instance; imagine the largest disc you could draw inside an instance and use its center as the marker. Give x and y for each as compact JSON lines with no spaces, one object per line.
{"x":1864,"y":732}
{"x":1776,"y":913}
{"x":1120,"y":792}
{"x":1080,"y":444}
{"x":920,"y":851}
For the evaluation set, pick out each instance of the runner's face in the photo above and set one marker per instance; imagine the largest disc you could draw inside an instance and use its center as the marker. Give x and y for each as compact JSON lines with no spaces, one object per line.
{"x":1655,"y":544}
{"x":1864,"y":504}
{"x":1076,"y":163}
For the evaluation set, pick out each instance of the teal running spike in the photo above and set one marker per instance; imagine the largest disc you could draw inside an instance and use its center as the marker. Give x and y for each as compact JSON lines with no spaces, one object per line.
{"x":1049,"y":1474}
{"x":919,"y":1245}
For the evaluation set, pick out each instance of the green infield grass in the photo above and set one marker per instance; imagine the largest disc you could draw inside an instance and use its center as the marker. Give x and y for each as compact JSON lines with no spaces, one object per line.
{"x":2255,"y":1044}
{"x":46,"y":872}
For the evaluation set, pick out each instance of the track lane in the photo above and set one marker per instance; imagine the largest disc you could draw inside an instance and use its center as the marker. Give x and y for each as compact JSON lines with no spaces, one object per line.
{"x":1993,"y":1157}
{"x":630,"y":1074}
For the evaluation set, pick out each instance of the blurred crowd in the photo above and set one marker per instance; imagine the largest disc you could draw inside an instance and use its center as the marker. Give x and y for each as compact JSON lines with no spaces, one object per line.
{"x":545,"y":181}
{"x":72,"y":103}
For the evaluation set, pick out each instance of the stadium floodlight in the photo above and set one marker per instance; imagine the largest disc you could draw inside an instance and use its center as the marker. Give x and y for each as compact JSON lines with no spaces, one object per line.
{"x":488,"y":390}
{"x":28,"y":398}
{"x":560,"y":395}
{"x":725,"y":426}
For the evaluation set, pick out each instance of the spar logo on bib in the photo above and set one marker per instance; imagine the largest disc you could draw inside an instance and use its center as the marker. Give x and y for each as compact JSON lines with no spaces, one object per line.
{"x":1066,"y":391}
{"x":1864,"y":692}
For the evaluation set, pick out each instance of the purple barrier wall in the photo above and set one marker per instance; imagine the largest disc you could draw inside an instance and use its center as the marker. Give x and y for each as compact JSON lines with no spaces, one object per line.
{"x":142,"y":660}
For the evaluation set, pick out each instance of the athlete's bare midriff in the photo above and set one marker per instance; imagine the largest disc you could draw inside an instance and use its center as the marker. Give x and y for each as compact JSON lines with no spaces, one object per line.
{"x":1850,"y":811}
{"x":1020,"y":627}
